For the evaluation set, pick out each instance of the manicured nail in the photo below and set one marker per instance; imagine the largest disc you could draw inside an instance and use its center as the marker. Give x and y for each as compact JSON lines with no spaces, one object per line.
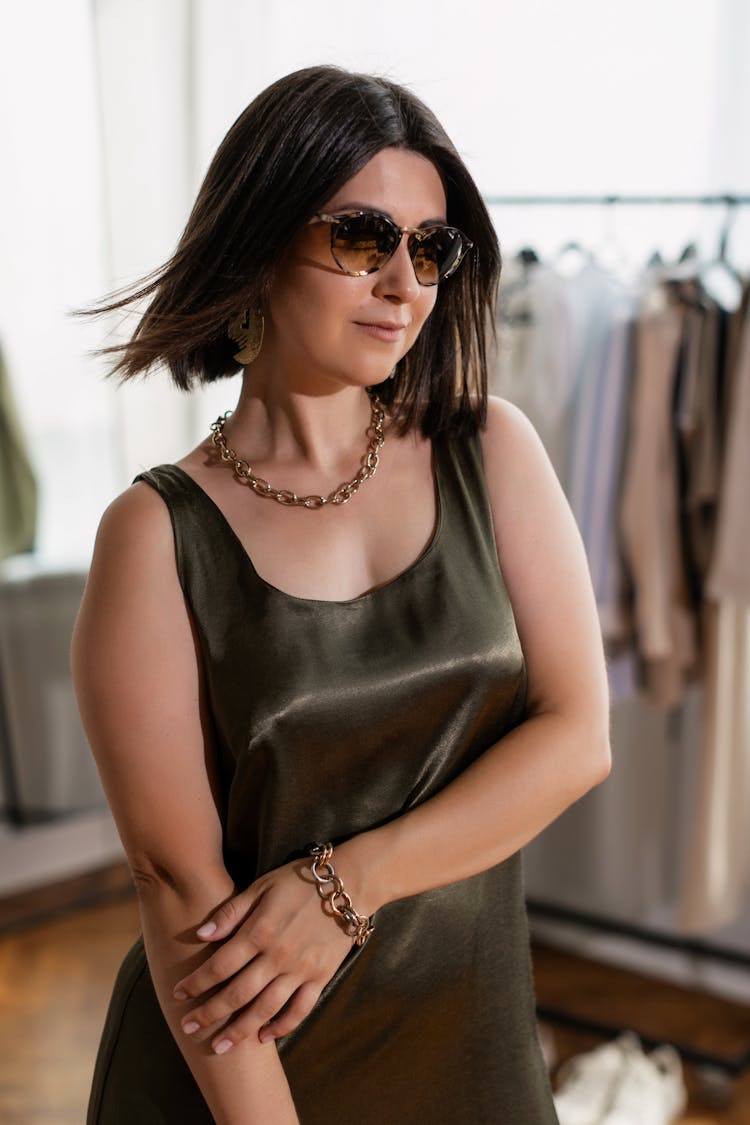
{"x":190,"y":1027}
{"x":206,"y":930}
{"x":179,"y":994}
{"x":223,"y":1046}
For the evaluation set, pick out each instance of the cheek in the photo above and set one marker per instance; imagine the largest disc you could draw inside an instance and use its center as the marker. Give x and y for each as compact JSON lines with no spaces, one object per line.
{"x":421,"y":310}
{"x":313,"y":307}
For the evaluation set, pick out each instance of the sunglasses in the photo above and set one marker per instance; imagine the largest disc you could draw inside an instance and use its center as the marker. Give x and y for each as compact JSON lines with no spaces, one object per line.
{"x":363,"y":241}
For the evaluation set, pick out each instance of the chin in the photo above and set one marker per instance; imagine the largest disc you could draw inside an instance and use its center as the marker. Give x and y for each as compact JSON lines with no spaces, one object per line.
{"x":365,"y":378}
{"x":380,"y":379}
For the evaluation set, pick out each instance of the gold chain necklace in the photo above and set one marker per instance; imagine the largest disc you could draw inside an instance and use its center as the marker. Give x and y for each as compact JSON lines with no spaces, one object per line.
{"x":340,"y":495}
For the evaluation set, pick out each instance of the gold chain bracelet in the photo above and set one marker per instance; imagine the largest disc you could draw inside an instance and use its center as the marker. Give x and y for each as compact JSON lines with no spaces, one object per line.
{"x":331,"y":890}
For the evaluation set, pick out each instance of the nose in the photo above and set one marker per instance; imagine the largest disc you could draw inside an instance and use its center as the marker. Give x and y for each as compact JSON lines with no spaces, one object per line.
{"x":396,"y":280}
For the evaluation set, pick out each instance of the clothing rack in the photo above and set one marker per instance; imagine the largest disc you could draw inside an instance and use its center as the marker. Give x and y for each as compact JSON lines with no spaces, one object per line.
{"x":731,"y":1066}
{"x":728,"y":199}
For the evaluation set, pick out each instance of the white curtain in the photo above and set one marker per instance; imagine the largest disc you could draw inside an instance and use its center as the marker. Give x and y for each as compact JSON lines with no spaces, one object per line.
{"x":53,"y":257}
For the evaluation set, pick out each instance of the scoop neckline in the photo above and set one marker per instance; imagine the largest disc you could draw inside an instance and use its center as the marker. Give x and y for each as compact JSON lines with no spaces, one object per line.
{"x":405,"y":574}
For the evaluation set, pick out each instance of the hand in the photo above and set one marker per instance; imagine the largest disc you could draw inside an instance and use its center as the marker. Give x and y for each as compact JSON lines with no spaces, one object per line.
{"x":283,"y":949}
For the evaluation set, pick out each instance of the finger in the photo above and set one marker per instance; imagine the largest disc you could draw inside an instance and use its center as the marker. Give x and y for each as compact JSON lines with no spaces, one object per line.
{"x":265,"y":1006}
{"x":242,"y":990}
{"x":217,"y":969}
{"x":301,"y":1004}
{"x":228,"y":917}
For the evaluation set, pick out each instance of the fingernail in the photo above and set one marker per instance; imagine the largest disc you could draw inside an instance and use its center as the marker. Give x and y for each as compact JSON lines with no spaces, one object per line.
{"x":206,"y":930}
{"x":179,"y":994}
{"x":223,"y":1046}
{"x":265,"y":1036}
{"x":190,"y":1027}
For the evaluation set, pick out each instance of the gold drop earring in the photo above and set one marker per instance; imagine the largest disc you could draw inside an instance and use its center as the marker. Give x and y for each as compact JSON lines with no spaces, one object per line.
{"x":247,"y":331}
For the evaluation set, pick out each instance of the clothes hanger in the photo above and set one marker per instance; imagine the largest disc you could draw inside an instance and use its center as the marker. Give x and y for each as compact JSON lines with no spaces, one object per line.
{"x":719,"y":279}
{"x":686,"y":268}
{"x":570,"y":259}
{"x":610,"y":253}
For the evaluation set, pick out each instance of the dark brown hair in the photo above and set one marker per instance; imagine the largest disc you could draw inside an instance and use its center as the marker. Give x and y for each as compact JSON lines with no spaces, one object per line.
{"x":293,"y":147}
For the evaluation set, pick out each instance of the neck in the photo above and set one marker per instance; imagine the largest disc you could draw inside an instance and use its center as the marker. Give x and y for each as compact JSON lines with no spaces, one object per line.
{"x":273,"y":422}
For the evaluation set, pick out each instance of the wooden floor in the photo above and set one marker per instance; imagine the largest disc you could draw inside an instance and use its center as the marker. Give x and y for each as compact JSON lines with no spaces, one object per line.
{"x":55,"y":980}
{"x":655,"y":1010}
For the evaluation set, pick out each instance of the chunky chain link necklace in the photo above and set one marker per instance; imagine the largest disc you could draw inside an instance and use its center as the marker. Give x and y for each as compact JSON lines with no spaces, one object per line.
{"x":244,"y":473}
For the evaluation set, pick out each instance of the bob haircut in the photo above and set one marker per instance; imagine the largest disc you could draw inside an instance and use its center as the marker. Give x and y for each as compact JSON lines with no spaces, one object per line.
{"x":286,"y":154}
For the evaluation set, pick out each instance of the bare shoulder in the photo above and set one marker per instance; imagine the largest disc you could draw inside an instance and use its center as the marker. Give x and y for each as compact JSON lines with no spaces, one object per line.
{"x":510,"y":443}
{"x":521,"y":481}
{"x":529,"y":508}
{"x":136,"y":522}
{"x":543,"y":562}
{"x":504,"y":419}
{"x":133,"y":586}
{"x":134,"y":551}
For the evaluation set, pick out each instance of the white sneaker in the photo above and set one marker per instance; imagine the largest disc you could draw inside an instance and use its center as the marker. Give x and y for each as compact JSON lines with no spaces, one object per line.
{"x":669,"y":1065}
{"x":650,"y":1089}
{"x":587,"y":1082}
{"x":617,"y":1084}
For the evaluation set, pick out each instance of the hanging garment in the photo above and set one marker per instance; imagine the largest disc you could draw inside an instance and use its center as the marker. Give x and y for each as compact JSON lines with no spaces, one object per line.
{"x":717,"y":878}
{"x":717,"y":873}
{"x":18,"y":488}
{"x":534,"y":366}
{"x":332,"y":717}
{"x":598,"y":298}
{"x":596,"y":453}
{"x":696,"y":415}
{"x":649,"y":517}
{"x":729,"y":575}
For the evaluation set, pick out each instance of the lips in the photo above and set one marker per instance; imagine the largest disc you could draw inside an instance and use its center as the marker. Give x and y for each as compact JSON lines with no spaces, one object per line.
{"x":386,"y":330}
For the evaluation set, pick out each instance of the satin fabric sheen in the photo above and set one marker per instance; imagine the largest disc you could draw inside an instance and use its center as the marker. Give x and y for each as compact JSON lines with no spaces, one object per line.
{"x":331,"y":718}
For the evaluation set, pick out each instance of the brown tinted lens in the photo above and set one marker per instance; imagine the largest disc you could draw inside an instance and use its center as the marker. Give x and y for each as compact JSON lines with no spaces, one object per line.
{"x":364,"y":243}
{"x":435,"y":253}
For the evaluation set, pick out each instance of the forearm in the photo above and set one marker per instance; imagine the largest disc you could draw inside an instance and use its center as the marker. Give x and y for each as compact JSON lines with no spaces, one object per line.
{"x":485,"y":815}
{"x":501,"y":802}
{"x":246,"y":1086}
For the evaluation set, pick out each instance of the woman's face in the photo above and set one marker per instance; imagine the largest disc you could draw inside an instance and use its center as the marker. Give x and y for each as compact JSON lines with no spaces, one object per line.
{"x":324,"y":325}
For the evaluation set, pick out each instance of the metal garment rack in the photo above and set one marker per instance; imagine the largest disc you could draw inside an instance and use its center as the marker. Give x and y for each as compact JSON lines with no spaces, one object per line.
{"x":727,"y":199}
{"x":730,"y":1066}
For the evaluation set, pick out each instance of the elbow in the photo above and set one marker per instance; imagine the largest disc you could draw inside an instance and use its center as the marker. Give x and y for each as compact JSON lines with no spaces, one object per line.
{"x":598,"y":761}
{"x":604,"y":763}
{"x":150,"y":877}
{"x":582,"y":748}
{"x":154,"y":878}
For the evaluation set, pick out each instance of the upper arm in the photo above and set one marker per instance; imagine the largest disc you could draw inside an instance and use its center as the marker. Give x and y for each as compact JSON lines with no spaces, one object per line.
{"x":137,"y":674}
{"x":545,"y":571}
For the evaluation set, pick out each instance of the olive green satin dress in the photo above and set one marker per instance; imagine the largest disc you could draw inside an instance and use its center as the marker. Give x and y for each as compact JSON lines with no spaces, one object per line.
{"x":331,"y":718}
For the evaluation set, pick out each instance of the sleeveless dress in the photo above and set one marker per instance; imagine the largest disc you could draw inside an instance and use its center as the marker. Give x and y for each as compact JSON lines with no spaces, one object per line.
{"x":331,"y":718}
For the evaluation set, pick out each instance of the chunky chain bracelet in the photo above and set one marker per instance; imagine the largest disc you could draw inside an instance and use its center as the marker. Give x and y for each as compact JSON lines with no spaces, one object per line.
{"x":331,"y":890}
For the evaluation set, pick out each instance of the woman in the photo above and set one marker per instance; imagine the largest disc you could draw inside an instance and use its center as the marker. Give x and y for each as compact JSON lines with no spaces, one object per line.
{"x":415,"y":676}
